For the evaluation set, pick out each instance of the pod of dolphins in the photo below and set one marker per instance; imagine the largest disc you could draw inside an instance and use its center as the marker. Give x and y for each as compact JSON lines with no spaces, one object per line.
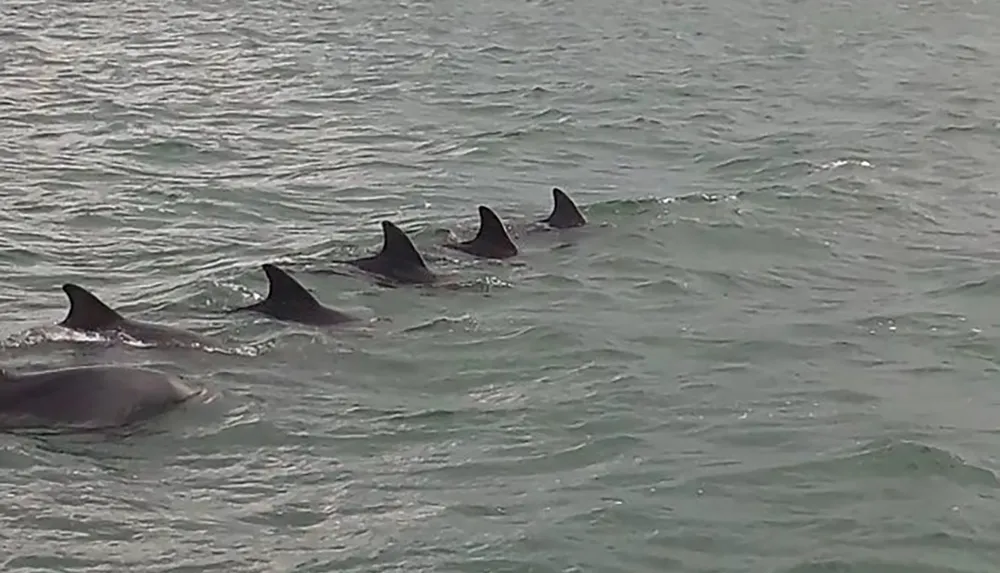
{"x":101,"y":396}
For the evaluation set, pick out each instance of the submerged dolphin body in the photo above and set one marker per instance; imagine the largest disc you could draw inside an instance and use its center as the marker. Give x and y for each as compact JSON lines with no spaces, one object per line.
{"x":87,"y":397}
{"x":492,"y":240}
{"x":398,"y":261}
{"x":88,"y":313}
{"x":288,"y":300}
{"x":565,"y":214}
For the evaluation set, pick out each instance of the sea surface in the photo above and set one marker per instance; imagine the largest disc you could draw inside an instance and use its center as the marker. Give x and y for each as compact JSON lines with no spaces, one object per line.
{"x":773,"y":349}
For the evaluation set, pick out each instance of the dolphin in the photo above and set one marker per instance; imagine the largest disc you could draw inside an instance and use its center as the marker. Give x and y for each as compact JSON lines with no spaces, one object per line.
{"x":398,"y":260}
{"x":565,"y":214}
{"x":288,"y":300}
{"x":87,"y":397}
{"x":492,"y":240}
{"x":88,"y":313}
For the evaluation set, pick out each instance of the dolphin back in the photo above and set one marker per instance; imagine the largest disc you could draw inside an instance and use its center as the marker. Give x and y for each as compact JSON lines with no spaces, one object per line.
{"x":88,"y":397}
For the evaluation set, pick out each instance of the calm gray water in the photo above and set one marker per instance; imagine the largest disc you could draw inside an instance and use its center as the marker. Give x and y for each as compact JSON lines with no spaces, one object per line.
{"x":773,"y":350}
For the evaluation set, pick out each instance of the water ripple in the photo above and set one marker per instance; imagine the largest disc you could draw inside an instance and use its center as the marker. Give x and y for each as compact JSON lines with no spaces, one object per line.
{"x":772,"y":349}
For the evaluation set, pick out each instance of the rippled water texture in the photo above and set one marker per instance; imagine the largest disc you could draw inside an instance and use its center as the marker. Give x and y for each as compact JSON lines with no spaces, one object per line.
{"x":773,"y":349}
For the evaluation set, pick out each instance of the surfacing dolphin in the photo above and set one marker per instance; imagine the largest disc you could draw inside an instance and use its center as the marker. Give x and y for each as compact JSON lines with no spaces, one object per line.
{"x":288,"y":300}
{"x":87,"y":313}
{"x":87,"y":397}
{"x":492,"y":240}
{"x":565,"y":213}
{"x":398,"y":260}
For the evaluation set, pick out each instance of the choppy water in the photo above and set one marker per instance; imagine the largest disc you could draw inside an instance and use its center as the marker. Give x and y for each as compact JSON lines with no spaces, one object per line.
{"x":773,"y":350}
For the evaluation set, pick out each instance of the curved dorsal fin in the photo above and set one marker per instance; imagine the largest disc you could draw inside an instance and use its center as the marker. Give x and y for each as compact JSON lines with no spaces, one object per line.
{"x":86,"y":311}
{"x":565,"y":214}
{"x":398,"y":247}
{"x":492,"y":240}
{"x":491,"y":230}
{"x":284,"y":290}
{"x":397,"y":260}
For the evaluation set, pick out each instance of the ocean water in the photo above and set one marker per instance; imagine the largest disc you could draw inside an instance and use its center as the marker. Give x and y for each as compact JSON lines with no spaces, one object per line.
{"x":772,"y":349}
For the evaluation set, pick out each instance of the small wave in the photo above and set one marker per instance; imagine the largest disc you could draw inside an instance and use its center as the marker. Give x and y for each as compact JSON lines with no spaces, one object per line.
{"x":47,"y":334}
{"x":37,"y":336}
{"x":877,"y":459}
{"x":912,"y":459}
{"x":837,"y":163}
{"x":442,"y":321}
{"x":987,"y":286}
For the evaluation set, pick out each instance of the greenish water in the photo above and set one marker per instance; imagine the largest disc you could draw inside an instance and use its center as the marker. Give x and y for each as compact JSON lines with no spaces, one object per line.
{"x":773,"y":350}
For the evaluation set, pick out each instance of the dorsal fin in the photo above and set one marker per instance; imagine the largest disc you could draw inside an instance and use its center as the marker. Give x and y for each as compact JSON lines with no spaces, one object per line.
{"x":565,"y":214}
{"x":86,"y":311}
{"x":284,"y":290}
{"x":398,"y":247}
{"x":491,"y":230}
{"x":492,"y":240}
{"x":397,"y":260}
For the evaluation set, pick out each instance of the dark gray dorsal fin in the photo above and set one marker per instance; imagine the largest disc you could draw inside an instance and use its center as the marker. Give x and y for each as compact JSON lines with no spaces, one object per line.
{"x":565,"y":214}
{"x":491,"y":229}
{"x":397,"y":247}
{"x":284,"y":290}
{"x":86,"y":311}
{"x":492,"y":234}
